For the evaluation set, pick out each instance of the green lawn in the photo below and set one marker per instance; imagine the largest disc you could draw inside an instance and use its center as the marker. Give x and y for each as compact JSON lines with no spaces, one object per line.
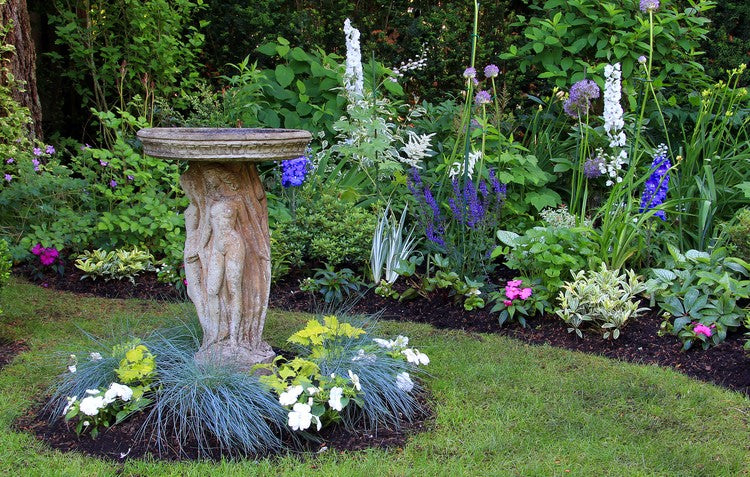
{"x":503,"y":407}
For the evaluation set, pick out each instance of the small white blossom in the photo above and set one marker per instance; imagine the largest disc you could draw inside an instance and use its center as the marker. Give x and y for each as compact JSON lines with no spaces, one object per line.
{"x":312,"y":391}
{"x":387,"y":344}
{"x":362,"y":356}
{"x":401,"y":341}
{"x":300,"y":417}
{"x":91,"y":405}
{"x":335,"y":398}
{"x":92,"y":392}
{"x":355,"y":380}
{"x":95,"y":356}
{"x":118,"y":390}
{"x":290,"y":396}
{"x":72,"y":368}
{"x":457,"y":168}
{"x":417,"y":148}
{"x":404,"y":382}
{"x":86,"y":423}
{"x":414,"y":356}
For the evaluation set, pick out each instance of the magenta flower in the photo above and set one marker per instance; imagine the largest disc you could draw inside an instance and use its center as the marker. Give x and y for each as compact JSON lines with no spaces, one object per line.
{"x":48,"y":256}
{"x":525,"y":293}
{"x":37,"y":250}
{"x":37,"y":152}
{"x":515,"y":283}
{"x":507,"y":302}
{"x":701,"y":329}
{"x":50,"y":150}
{"x":491,"y":71}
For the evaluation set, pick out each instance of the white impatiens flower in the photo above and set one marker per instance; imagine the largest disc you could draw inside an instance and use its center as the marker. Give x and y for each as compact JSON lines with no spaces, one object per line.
{"x":387,"y":344}
{"x":335,"y":398}
{"x":92,"y":392}
{"x":91,"y":405}
{"x":95,"y":356}
{"x":290,"y":396}
{"x":118,"y":391}
{"x":457,"y":168}
{"x":72,"y":368}
{"x":401,"y":341}
{"x":414,"y":356}
{"x":417,"y":148}
{"x":71,"y":401}
{"x":353,"y":81}
{"x":300,"y":417}
{"x":355,"y":380}
{"x":404,"y":382}
{"x":312,"y":391}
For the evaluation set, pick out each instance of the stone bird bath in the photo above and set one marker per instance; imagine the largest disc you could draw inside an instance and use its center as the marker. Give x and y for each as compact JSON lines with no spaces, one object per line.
{"x":227,"y":246}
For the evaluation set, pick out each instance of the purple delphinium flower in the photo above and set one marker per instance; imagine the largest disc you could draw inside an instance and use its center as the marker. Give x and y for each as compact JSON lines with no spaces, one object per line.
{"x":657,"y":185}
{"x":37,"y":152}
{"x":470,"y":73}
{"x":482,"y":98}
{"x":10,"y":160}
{"x":8,"y":177}
{"x":491,"y":71}
{"x":580,"y":97}
{"x":36,"y":164}
{"x":294,"y":171}
{"x":649,"y":5}
{"x":49,"y":149}
{"x":113,"y":183}
{"x":427,"y":208}
{"x":593,"y":166}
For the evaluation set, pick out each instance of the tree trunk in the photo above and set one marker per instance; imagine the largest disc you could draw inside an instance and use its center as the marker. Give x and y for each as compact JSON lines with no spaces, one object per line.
{"x":22,"y":64}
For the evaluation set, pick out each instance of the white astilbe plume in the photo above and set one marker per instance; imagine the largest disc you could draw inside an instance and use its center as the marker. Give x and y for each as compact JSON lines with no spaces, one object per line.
{"x":613,"y":114}
{"x":457,"y":168}
{"x":353,"y":81}
{"x":417,"y":148}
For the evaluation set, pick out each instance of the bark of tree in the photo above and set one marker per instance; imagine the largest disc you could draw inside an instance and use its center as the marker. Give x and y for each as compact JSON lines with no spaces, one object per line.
{"x":22,"y":63}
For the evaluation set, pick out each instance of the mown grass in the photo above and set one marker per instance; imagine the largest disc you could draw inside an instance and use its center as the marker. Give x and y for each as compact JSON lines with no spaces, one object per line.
{"x":502,"y":407}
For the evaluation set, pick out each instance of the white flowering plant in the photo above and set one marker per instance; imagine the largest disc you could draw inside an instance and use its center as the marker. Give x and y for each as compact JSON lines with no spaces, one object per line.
{"x":340,"y":365}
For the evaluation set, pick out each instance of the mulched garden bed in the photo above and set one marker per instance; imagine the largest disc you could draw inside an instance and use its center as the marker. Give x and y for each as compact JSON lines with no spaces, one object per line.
{"x":727,"y":365}
{"x":9,"y":350}
{"x":120,"y":442}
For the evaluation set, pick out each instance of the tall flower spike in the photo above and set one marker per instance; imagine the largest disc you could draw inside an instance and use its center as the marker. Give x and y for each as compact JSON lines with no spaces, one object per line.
{"x":657,"y":185}
{"x":353,"y":76}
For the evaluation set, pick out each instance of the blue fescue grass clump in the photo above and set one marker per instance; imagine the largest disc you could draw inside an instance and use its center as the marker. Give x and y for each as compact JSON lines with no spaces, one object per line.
{"x":214,"y":407}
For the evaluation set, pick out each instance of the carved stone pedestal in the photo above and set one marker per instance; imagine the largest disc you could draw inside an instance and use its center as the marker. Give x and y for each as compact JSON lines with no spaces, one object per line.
{"x":227,"y":246}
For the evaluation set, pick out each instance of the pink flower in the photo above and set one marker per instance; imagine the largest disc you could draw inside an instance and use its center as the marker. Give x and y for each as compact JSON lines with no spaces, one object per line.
{"x":515,"y":283}
{"x":37,"y":250}
{"x":701,"y":329}
{"x":48,"y":256}
{"x":525,"y":293}
{"x":507,"y":302}
{"x":512,"y":292}
{"x":184,"y":281}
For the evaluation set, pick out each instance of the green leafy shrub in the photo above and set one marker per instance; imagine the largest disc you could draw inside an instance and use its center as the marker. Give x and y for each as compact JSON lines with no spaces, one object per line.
{"x":700,"y":290}
{"x":332,"y":284}
{"x":605,"y":299}
{"x":117,"y":264}
{"x":550,"y":254}
{"x":327,"y":230}
{"x":738,"y":232}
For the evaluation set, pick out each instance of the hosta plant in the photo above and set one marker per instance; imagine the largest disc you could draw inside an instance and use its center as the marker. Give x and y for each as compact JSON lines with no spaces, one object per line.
{"x":604,"y":299}
{"x":117,"y":264}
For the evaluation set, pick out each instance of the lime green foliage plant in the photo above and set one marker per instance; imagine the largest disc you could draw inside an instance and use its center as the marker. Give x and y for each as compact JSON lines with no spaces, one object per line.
{"x":116,"y":264}
{"x":605,"y":299}
{"x":703,"y":290}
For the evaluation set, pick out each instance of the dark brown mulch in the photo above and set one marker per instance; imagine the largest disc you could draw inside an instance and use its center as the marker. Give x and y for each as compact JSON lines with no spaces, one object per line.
{"x":727,"y":365}
{"x":9,"y":350}
{"x":121,"y":442}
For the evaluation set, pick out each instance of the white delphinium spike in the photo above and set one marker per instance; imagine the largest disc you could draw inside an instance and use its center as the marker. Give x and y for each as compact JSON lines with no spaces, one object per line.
{"x":353,"y":75}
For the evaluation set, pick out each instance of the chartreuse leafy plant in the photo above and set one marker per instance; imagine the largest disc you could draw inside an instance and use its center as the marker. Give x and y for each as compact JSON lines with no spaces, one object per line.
{"x":115,"y":264}
{"x":701,"y":294}
{"x":605,"y":299}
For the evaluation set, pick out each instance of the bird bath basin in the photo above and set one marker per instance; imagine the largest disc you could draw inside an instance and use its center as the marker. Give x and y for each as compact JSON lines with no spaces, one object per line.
{"x":227,"y":245}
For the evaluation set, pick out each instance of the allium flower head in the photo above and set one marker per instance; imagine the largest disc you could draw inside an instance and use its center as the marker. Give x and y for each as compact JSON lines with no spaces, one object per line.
{"x":593,"y":167}
{"x":657,"y":185}
{"x":580,"y":97}
{"x":642,"y":60}
{"x":649,"y":5}
{"x":491,"y":71}
{"x":482,"y":98}
{"x":470,"y":73}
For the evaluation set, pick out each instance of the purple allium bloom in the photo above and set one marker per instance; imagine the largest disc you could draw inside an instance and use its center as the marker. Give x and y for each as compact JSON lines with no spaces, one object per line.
{"x":10,"y":160}
{"x":649,"y":5}
{"x":103,"y":163}
{"x":470,"y":73}
{"x":491,"y":71}
{"x":482,"y":98}
{"x":642,"y":60}
{"x":49,"y":149}
{"x":36,"y":164}
{"x":37,"y":152}
{"x":592,"y":168}
{"x":294,"y":171}
{"x":657,"y":185}
{"x":579,"y":100}
{"x":8,"y":177}
{"x":113,"y":183}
